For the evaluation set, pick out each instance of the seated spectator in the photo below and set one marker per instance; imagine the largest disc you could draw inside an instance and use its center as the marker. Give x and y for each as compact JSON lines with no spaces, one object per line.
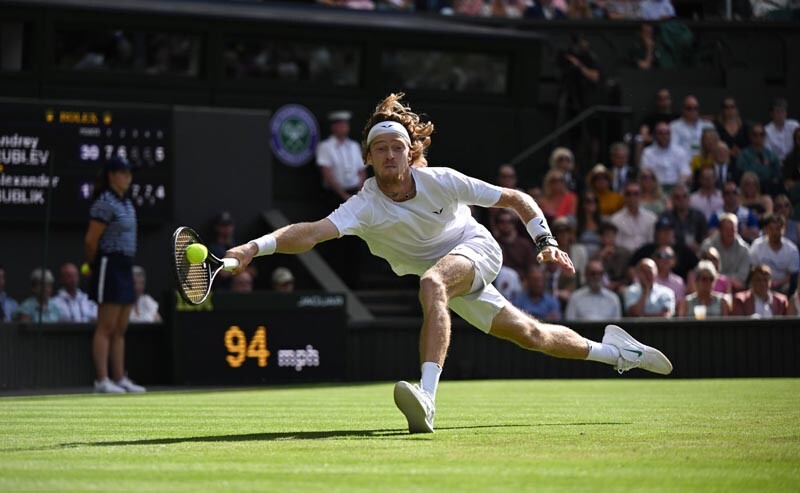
{"x":519,"y":252}
{"x":563,"y":160}
{"x":690,"y":224}
{"x":731,"y":129}
{"x":593,"y":301}
{"x":647,"y":51}
{"x":760,"y":301}
{"x":39,"y":306}
{"x":722,"y":285}
{"x":559,"y":283}
{"x":556,"y":200}
{"x":589,"y":221}
{"x":72,"y":302}
{"x":667,"y":159}
{"x":664,"y":257}
{"x":224,"y":230}
{"x":761,"y":161}
{"x":704,"y":302}
{"x":777,"y":253}
{"x":282,"y":280}
{"x":508,"y":283}
{"x":783,"y":207}
{"x":646,"y":298}
{"x":734,"y":253}
{"x":708,"y":198}
{"x":8,"y":305}
{"x":747,"y":221}
{"x":688,"y":129}
{"x":145,"y":308}
{"x":614,"y":258}
{"x":791,"y":165}
{"x":544,"y":9}
{"x":623,"y":10}
{"x":579,"y":10}
{"x":242,"y":283}
{"x":506,"y":178}
{"x":535,"y":300}
{"x":599,"y":182}
{"x":780,"y":130}
{"x":656,"y":10}
{"x":759,"y":203}
{"x":708,"y":144}
{"x":635,"y":225}
{"x":665,"y":237}
{"x":621,"y":170}
{"x":653,"y":198}
{"x":661,"y":113}
{"x":564,"y":232}
{"x":724,"y":171}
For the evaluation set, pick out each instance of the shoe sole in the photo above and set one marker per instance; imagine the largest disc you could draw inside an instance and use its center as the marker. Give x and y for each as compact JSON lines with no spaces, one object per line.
{"x":408,"y":404}
{"x":651,"y":351}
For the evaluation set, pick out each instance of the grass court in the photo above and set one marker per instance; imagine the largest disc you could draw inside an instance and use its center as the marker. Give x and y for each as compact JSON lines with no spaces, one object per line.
{"x":619,"y":434}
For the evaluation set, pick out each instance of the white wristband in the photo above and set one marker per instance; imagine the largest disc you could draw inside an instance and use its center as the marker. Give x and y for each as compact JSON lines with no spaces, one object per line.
{"x":266,"y":245}
{"x":537,"y":227}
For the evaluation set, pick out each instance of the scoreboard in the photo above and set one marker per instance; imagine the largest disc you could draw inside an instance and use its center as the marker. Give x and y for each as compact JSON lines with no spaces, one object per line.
{"x":54,"y":151}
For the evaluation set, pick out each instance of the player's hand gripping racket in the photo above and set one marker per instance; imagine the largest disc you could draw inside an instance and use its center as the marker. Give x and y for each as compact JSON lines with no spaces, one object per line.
{"x":195,"y":267}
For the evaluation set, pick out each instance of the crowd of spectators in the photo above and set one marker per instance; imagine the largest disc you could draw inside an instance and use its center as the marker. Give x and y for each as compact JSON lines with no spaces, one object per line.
{"x":70,"y":304}
{"x":696,"y":217}
{"x":569,"y":9}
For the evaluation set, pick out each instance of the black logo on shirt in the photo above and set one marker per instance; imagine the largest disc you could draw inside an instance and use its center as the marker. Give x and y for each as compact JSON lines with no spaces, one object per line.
{"x":439,"y":211}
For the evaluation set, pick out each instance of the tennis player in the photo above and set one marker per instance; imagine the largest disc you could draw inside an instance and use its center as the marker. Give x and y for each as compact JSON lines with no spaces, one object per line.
{"x":418,"y":219}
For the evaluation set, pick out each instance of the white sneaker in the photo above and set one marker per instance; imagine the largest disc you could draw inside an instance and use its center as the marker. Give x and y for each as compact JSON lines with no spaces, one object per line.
{"x":634,"y":354}
{"x":128,"y":386}
{"x":416,"y":405}
{"x":106,"y":386}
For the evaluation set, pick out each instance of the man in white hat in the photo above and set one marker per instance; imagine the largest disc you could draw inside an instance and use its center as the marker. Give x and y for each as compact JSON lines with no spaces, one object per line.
{"x":339,"y":160}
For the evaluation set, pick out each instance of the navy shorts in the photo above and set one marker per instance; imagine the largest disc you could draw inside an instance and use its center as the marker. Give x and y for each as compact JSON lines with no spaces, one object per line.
{"x":112,"y":279}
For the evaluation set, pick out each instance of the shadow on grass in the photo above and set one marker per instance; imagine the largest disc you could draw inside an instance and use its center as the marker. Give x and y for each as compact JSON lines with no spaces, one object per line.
{"x":295,"y":435}
{"x":310,"y":435}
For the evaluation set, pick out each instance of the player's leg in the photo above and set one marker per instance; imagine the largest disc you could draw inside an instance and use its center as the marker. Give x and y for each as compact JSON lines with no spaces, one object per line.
{"x":618,"y":348}
{"x":555,"y":340}
{"x":450,"y":277}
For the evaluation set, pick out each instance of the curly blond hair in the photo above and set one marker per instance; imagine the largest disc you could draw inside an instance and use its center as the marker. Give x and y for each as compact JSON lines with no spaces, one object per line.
{"x":391,"y":108}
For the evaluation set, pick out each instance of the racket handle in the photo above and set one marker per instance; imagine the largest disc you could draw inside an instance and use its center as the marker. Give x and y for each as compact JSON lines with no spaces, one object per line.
{"x":230,"y":263}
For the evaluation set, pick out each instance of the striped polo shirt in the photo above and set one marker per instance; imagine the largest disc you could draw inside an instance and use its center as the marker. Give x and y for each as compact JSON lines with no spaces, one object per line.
{"x":119,"y":216}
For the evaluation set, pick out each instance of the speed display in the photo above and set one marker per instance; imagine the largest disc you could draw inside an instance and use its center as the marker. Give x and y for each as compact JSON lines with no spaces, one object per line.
{"x":73,"y":140}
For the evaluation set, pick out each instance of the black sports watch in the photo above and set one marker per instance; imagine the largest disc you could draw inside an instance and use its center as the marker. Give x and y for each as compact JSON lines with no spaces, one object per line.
{"x":543,"y":241}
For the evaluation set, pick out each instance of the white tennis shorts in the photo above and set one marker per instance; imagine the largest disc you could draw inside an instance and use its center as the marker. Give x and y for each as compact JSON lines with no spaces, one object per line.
{"x":483,"y":302}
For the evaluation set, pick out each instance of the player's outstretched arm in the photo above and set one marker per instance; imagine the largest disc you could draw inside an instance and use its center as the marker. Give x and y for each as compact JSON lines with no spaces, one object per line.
{"x":533,"y":218}
{"x":295,"y":238}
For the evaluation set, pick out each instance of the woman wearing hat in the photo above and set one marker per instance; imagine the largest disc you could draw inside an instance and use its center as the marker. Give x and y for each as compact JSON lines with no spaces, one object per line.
{"x":599,"y":181}
{"x":110,"y":247}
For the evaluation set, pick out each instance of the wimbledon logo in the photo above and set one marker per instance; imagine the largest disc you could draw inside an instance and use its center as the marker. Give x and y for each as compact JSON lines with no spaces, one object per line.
{"x":294,"y":134}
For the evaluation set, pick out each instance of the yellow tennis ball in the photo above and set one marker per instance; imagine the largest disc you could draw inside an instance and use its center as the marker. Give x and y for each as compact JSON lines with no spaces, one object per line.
{"x":85,"y":269}
{"x":196,"y":253}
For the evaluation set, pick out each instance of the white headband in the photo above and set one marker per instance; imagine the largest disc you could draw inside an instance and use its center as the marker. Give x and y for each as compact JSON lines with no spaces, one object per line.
{"x":388,"y":127}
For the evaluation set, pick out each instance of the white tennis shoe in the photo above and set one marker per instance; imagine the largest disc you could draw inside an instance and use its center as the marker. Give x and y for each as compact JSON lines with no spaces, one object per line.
{"x":106,"y":386}
{"x":128,"y":385}
{"x":416,"y":405}
{"x":634,"y":354}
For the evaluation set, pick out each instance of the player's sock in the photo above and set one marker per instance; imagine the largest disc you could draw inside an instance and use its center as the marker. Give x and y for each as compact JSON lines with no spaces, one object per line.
{"x":430,"y":378}
{"x":604,"y":353}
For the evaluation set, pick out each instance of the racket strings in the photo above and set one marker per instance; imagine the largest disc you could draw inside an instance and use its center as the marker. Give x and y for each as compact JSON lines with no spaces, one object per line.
{"x":194,"y":279}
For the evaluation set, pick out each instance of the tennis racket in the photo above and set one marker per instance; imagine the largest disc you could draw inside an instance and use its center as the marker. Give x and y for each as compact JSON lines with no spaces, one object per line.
{"x":194,"y":280}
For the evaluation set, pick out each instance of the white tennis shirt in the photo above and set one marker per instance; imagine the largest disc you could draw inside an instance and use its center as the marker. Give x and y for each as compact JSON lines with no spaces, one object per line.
{"x":412,"y":235}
